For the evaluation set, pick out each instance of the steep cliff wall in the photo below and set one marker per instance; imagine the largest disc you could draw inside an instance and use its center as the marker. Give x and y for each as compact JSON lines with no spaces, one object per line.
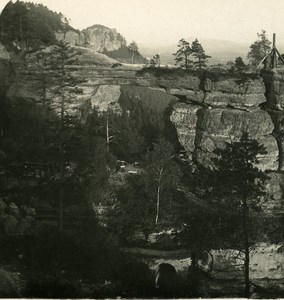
{"x":219,"y":111}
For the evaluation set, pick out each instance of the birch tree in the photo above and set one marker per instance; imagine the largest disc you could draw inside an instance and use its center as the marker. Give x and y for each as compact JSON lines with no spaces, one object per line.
{"x":161,"y":172}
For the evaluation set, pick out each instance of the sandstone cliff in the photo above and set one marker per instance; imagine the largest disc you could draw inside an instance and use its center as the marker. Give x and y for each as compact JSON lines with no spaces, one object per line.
{"x":207,"y":111}
{"x":97,"y":37}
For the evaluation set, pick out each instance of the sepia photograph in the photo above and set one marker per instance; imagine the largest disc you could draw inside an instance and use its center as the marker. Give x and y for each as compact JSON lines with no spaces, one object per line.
{"x":141,"y":149}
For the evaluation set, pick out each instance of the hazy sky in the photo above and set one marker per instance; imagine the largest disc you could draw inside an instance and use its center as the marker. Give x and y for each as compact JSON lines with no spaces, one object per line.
{"x":158,"y":22}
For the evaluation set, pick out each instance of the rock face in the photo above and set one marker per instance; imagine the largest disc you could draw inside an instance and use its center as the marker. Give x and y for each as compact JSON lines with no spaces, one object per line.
{"x":107,"y":97}
{"x":96,"y":37}
{"x":274,"y":83}
{"x":101,"y":38}
{"x":220,"y":111}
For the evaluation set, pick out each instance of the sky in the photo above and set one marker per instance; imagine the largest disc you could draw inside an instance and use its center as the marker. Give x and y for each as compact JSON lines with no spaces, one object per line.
{"x":164,"y":22}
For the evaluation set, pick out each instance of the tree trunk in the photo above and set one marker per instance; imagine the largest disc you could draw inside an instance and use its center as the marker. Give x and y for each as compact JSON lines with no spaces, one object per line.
{"x":61,"y":162}
{"x":132,"y":57}
{"x":158,"y":197}
{"x":60,"y":217}
{"x":107,"y":132}
{"x":246,"y":248}
{"x":158,"y":205}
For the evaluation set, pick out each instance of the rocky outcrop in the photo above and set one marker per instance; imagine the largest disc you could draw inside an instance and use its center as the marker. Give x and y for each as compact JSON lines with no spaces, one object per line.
{"x":97,"y":37}
{"x":220,"y":125}
{"x":102,"y":38}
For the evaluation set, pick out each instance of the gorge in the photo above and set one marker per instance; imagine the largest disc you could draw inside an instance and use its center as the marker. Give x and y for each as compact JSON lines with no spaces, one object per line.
{"x":76,"y":108}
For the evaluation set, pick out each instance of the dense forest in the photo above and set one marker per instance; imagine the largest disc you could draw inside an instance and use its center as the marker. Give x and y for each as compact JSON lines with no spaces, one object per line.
{"x":25,"y":26}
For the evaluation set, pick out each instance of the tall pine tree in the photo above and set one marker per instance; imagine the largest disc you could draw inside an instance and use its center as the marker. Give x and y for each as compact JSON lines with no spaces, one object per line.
{"x":199,"y":54}
{"x":237,"y":188}
{"x":183,"y":53}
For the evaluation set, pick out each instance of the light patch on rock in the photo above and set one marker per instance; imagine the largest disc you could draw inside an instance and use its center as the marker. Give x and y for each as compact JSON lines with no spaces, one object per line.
{"x":107,"y":97}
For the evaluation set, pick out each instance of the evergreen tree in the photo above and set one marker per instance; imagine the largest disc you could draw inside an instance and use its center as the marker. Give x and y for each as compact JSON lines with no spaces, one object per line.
{"x":199,"y":54}
{"x":93,"y":161}
{"x":237,"y":187}
{"x":63,"y":93}
{"x":239,"y":64}
{"x":132,"y":210}
{"x":155,"y":61}
{"x":25,"y":27}
{"x":182,"y":54}
{"x":259,"y":49}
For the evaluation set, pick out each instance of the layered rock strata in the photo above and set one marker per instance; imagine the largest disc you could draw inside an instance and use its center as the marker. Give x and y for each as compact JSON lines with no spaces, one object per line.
{"x":220,"y":111}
